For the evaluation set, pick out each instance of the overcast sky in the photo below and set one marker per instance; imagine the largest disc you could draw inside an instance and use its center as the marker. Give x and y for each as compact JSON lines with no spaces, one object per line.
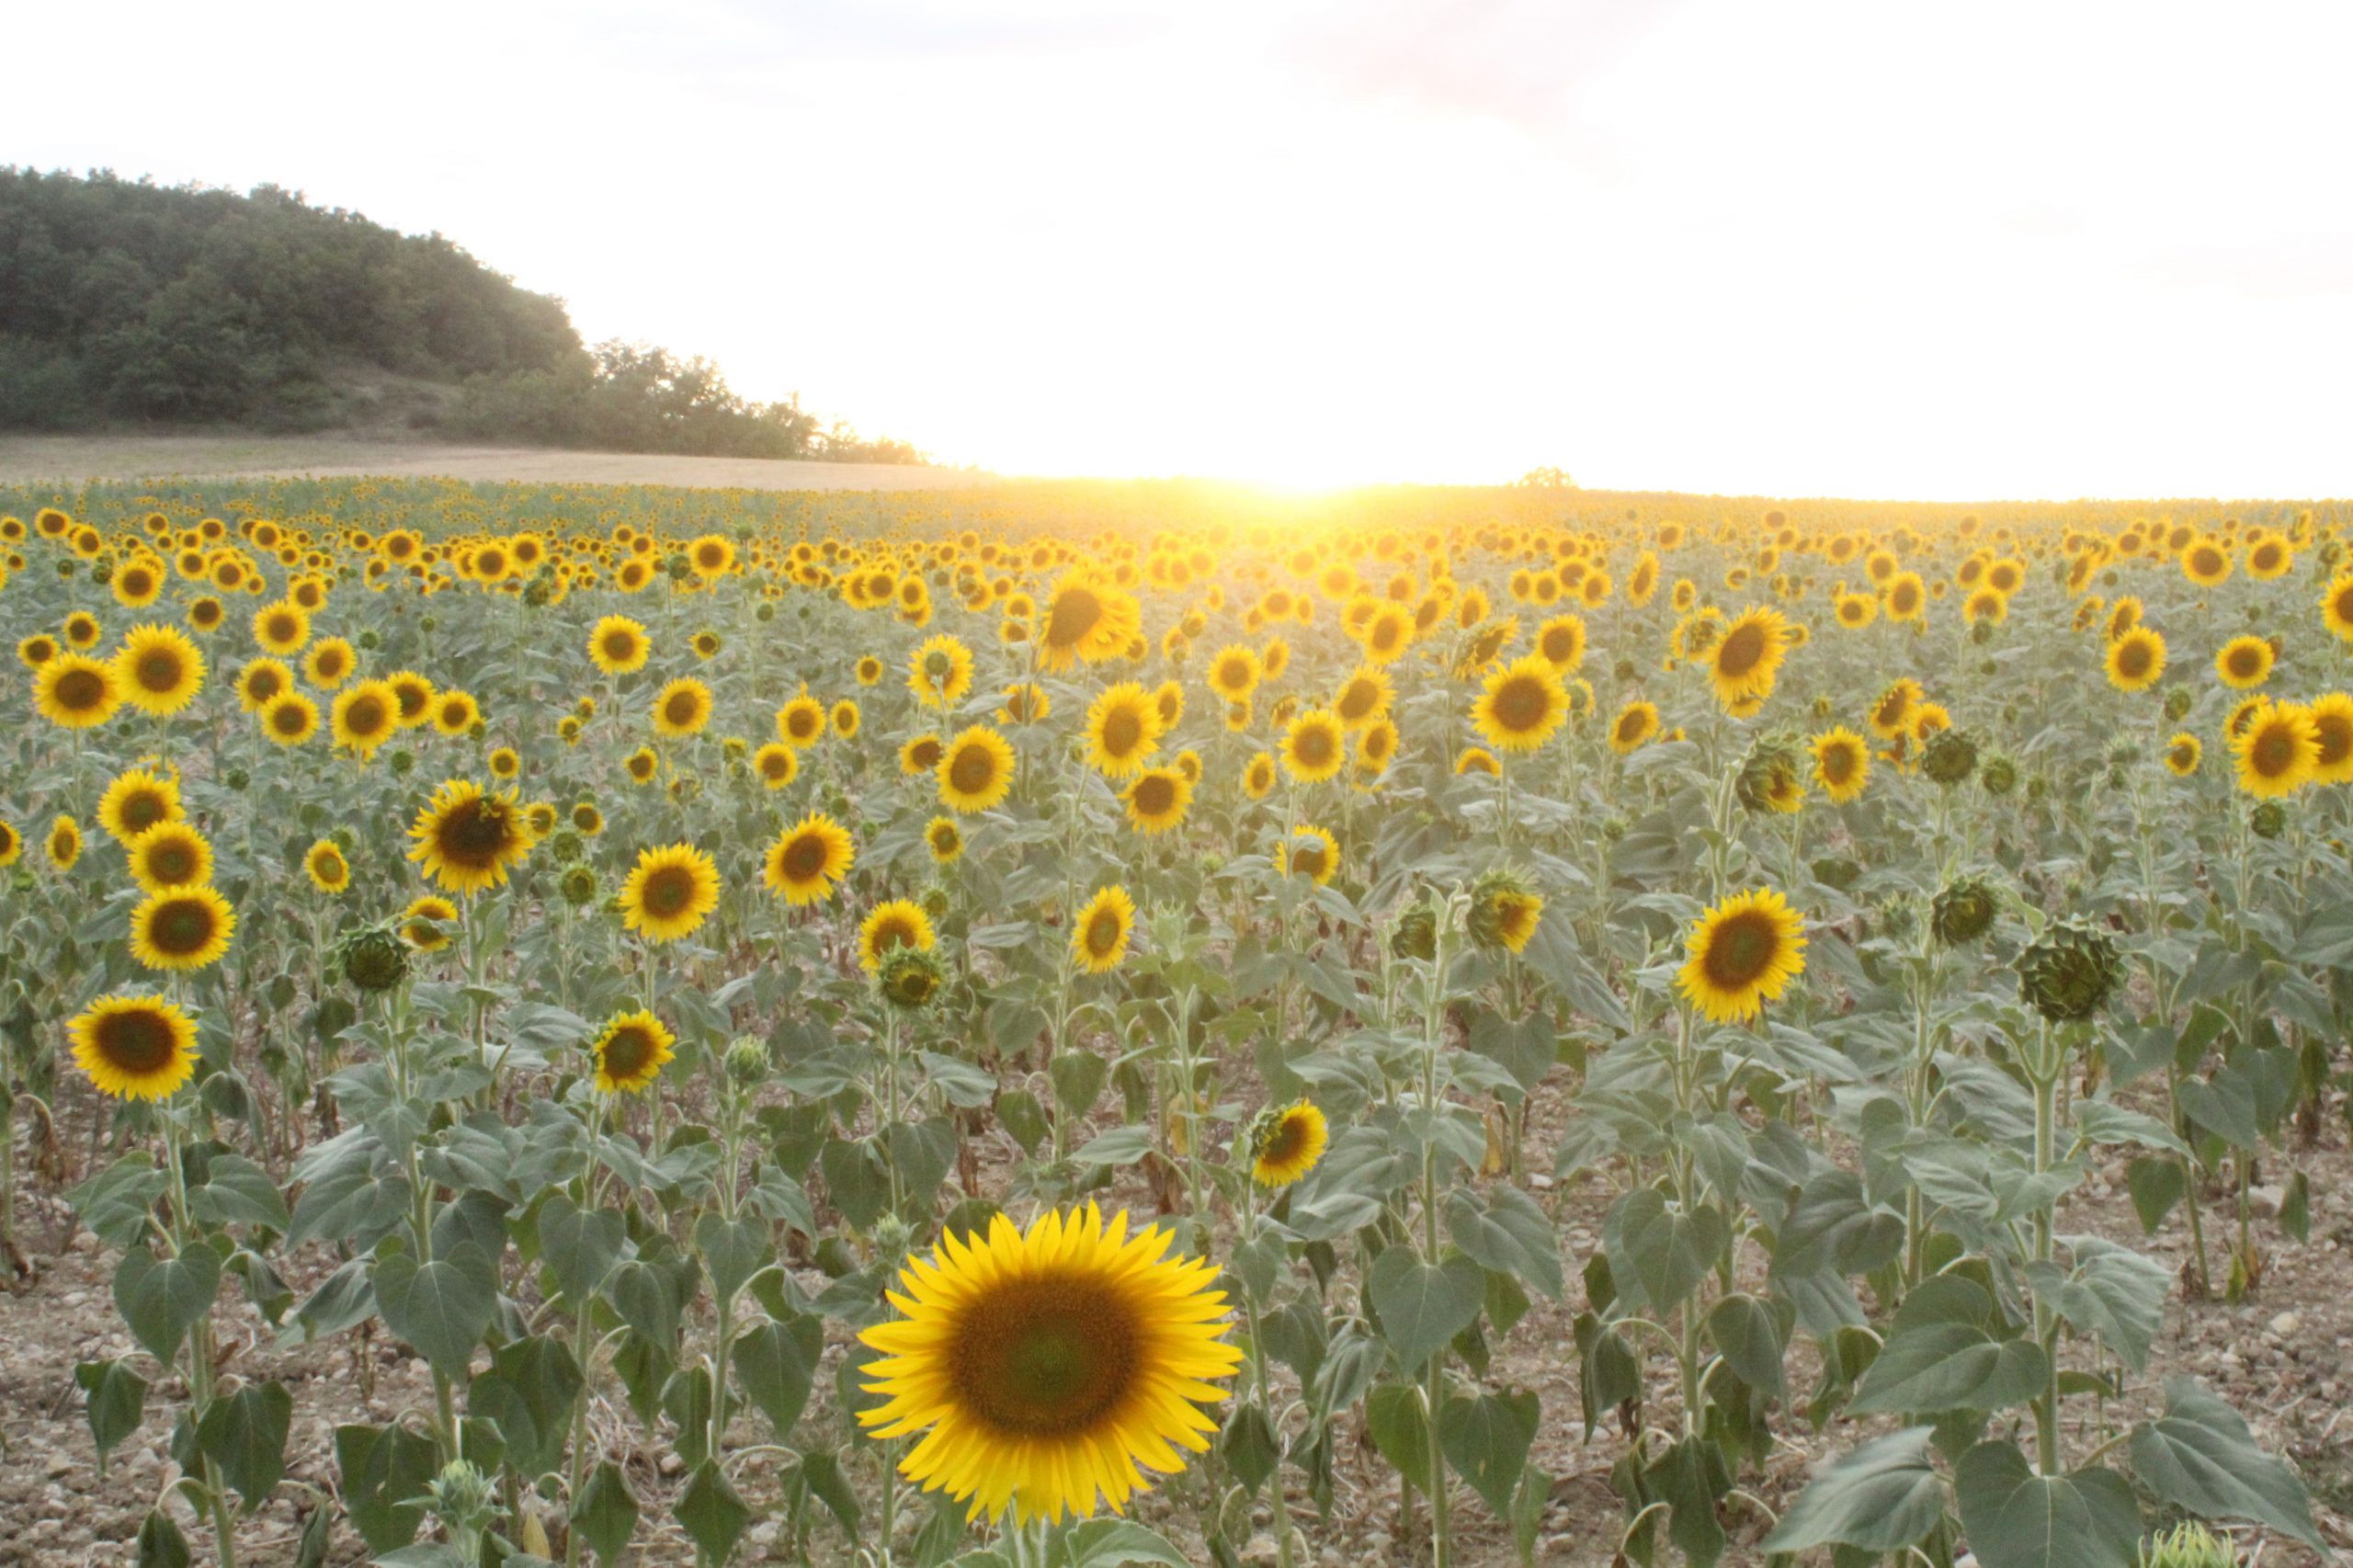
{"x":2040,"y":249}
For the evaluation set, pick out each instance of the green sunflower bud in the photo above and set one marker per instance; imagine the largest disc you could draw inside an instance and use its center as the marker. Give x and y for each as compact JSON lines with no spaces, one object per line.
{"x":2177,"y":704}
{"x":2070,"y":972}
{"x":1416,"y":934}
{"x":748,"y":1061}
{"x":2188,"y":1545}
{"x":911,"y":979}
{"x":373,"y":958}
{"x":1963,"y":912}
{"x":579,"y":886}
{"x":566,"y":846}
{"x":1949,"y":757}
{"x":1999,"y":776}
{"x":2268,"y":819}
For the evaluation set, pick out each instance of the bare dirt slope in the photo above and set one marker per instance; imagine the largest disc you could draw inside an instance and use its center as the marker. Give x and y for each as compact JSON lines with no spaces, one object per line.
{"x":75,"y":458}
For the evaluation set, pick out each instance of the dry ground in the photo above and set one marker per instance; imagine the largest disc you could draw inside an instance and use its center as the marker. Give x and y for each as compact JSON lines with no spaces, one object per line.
{"x":76,"y":458}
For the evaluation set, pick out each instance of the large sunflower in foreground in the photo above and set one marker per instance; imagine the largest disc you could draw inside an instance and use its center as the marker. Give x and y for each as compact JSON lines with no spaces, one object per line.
{"x":136,"y":1048}
{"x":976,"y":770}
{"x":2278,"y":752}
{"x":467,"y":839}
{"x":1123,"y":729}
{"x":181,"y":928}
{"x":670,"y":892}
{"x":808,"y":858}
{"x":1743,"y":953}
{"x":74,"y":691}
{"x":1047,"y":1365}
{"x":630,"y":1052}
{"x":159,"y":670}
{"x":1521,"y":705}
{"x":1099,"y":937}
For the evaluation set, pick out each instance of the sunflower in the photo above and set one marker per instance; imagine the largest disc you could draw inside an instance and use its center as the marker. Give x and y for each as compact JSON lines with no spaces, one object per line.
{"x":2243,"y":662}
{"x":2183,"y":754}
{"x":808,"y":858}
{"x":629,"y":1050}
{"x":1158,"y":800}
{"x":422,"y":922}
{"x":944,"y":839}
{"x":505,"y":763}
{"x":1521,"y":705}
{"x":363,"y":717}
{"x":1906,"y":596}
{"x":2337,"y":607}
{"x":1747,"y":658}
{"x":2136,"y":659}
{"x":1026,"y":703}
{"x":1123,"y":728}
{"x":1890,"y":715}
{"x":1088,"y":618}
{"x":467,"y":839}
{"x":181,"y":928}
{"x":1636,"y":723}
{"x":64,"y":842}
{"x":456,"y":712}
{"x":1258,"y":774}
{"x":1842,"y":764}
{"x":618,"y":646}
{"x":870,"y":670}
{"x":74,"y":691}
{"x":136,"y":1048}
{"x":777,"y":764}
{"x":137,"y":800}
{"x":281,"y":628}
{"x":324,"y":864}
{"x":1313,"y":747}
{"x":896,"y":923}
{"x":1478,"y":759}
{"x":682,"y":708}
{"x":1309,"y":852}
{"x":1235,"y":671}
{"x":845,"y":719}
{"x":977,"y":770}
{"x":329,"y":663}
{"x":1286,"y":1144}
{"x":1743,"y":953}
{"x":670,"y":892}
{"x":641,"y":765}
{"x":260,"y":682}
{"x":1363,"y":698}
{"x":940,"y":672}
{"x":289,"y":719}
{"x":37,"y":649}
{"x":1049,"y":1365}
{"x":2278,"y":752}
{"x":1099,"y":936}
{"x":159,"y":670}
{"x":2332,"y":719}
{"x":169,"y":855}
{"x":801,"y":721}
{"x":12,"y":844}
{"x":2206,"y":562}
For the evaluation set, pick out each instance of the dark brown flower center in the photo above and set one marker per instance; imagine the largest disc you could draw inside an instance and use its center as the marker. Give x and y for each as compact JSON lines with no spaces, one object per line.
{"x":1046,"y":1356}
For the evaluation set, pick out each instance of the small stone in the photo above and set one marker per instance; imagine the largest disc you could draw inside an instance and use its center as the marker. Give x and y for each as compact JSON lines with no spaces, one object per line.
{"x":2285,"y":1325}
{"x":1262,"y":1548}
{"x":2266,"y":1200}
{"x":673,"y":1465}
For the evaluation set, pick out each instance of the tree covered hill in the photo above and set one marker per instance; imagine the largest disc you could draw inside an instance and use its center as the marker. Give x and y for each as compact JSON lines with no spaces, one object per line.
{"x":122,"y":301}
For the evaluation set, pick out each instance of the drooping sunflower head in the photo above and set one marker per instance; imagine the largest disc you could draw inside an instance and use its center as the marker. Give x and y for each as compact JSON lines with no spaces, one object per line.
{"x":1046,"y":1368}
{"x":1890,"y":715}
{"x":1285,"y":1142}
{"x":1742,"y":954}
{"x":1505,"y":912}
{"x":630,"y":1051}
{"x":897,"y":923}
{"x":809,"y":859}
{"x":169,"y":855}
{"x":181,"y":928}
{"x":975,"y":772}
{"x":1101,"y":930}
{"x":159,"y":669}
{"x":139,"y":798}
{"x":670,"y":892}
{"x":2069,"y":973}
{"x":1309,"y":852}
{"x":1158,"y":800}
{"x":424,"y":923}
{"x":468,"y":839}
{"x":139,"y":1048}
{"x":1963,"y":911}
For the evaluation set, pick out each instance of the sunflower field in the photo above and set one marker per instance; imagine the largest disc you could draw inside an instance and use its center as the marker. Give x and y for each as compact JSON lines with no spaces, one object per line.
{"x":1058,"y":1026}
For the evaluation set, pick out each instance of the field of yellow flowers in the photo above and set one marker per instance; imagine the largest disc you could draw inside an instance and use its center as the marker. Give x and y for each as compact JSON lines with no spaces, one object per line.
{"x":1057,"y":1025}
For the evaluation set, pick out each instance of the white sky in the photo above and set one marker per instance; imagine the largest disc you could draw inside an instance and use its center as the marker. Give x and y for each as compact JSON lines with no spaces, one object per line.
{"x":2042,"y":249}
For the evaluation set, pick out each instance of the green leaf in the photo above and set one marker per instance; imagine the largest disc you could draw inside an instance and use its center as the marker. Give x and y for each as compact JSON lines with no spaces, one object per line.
{"x":118,"y":1204}
{"x":1509,"y":1233}
{"x":580,"y":1247}
{"x":1486,"y":1440}
{"x":1423,"y":1305}
{"x":712,"y":1515}
{"x":161,"y":1545}
{"x":117,"y":1403}
{"x":1941,"y":1354}
{"x":2113,"y":1292}
{"x":527,"y":1392}
{"x":163,"y":1298}
{"x":381,"y":1469}
{"x":775,"y":1365}
{"x":733,"y":1250}
{"x":1667,"y":1251}
{"x":1119,"y":1146}
{"x":2015,"y":1518}
{"x":1113,"y":1543}
{"x":1249,"y":1446}
{"x":442,"y":1308}
{"x":244,"y":1433}
{"x":2156,"y":1186}
{"x":1077,"y":1077}
{"x":1882,"y":1498}
{"x":2200,"y":1456}
{"x":604,"y":1514}
{"x":237,"y":1191}
{"x":822,"y":1472}
{"x":1750,"y":1336}
{"x":1392,"y":1414}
